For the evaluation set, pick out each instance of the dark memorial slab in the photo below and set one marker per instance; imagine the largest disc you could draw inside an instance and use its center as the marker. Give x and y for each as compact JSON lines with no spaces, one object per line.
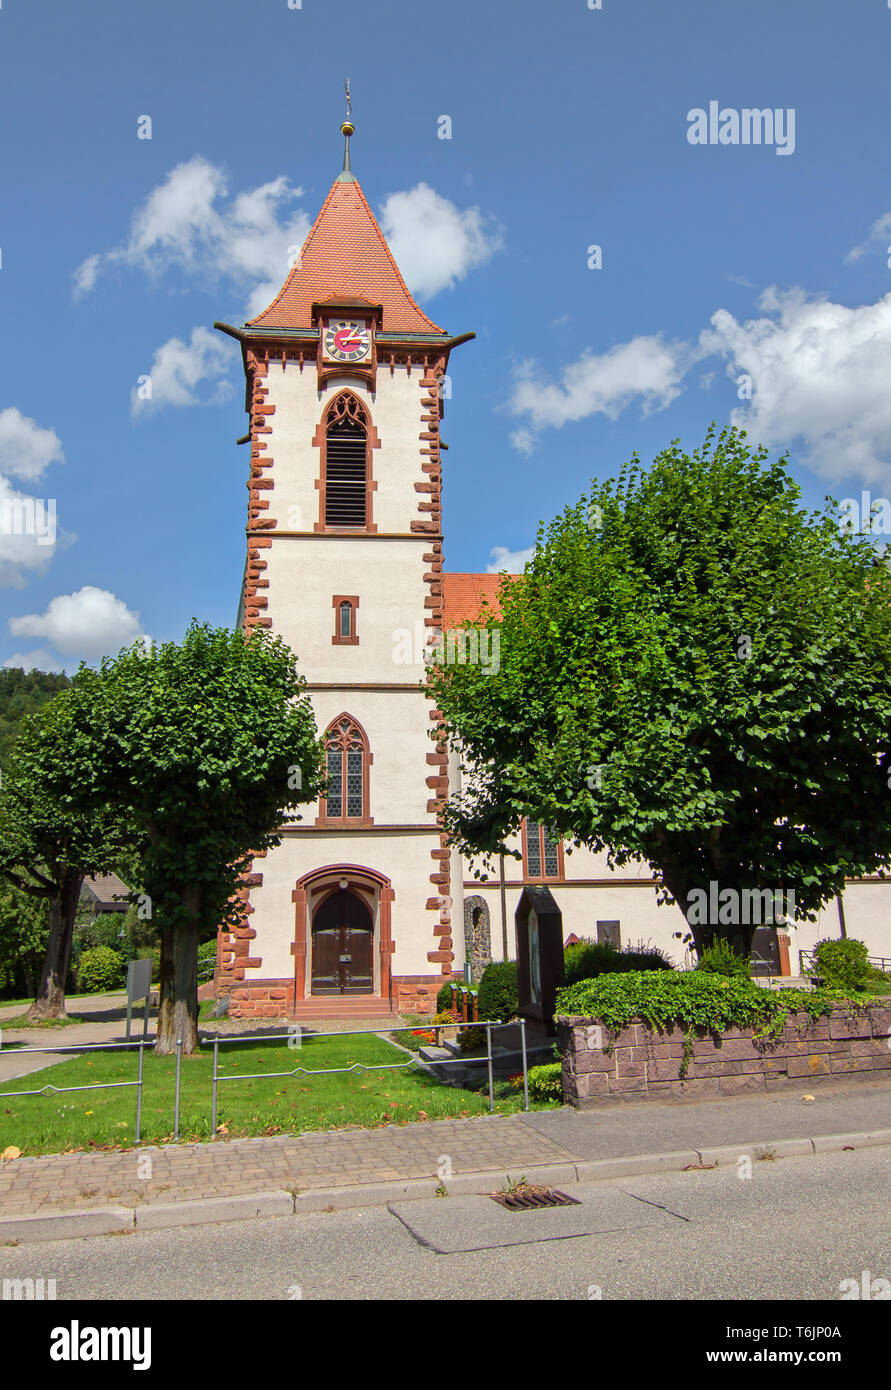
{"x":539,"y":926}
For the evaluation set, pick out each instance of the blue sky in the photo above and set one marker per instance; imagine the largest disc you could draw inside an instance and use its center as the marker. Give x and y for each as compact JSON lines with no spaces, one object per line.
{"x":569,"y":128}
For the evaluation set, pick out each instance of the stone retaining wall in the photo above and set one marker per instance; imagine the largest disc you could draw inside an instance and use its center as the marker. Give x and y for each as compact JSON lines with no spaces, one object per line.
{"x":640,"y":1062}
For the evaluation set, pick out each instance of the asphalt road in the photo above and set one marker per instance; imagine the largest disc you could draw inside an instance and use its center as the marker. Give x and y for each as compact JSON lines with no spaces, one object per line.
{"x":796,"y":1229}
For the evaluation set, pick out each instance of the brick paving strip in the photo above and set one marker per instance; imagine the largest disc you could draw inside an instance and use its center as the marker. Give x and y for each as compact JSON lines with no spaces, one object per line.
{"x":304,"y":1162}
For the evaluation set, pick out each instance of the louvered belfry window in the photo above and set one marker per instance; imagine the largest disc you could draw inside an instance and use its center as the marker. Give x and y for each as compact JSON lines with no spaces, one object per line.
{"x":345,"y":753}
{"x":346,"y":467}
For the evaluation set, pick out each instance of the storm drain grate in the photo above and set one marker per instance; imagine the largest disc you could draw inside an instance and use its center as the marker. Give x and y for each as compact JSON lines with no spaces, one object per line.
{"x":533,"y":1198}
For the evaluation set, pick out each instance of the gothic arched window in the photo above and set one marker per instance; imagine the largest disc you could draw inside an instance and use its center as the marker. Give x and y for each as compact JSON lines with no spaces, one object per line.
{"x":347,"y":759}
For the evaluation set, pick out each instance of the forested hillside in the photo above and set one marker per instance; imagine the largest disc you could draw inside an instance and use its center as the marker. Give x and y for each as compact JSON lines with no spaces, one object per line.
{"x":21,"y":693}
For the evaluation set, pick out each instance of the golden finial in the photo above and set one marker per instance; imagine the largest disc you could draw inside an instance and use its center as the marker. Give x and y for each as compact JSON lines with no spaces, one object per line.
{"x":347,"y":129}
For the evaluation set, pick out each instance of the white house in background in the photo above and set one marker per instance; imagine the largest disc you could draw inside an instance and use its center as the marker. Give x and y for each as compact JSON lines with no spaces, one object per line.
{"x":364,"y":909}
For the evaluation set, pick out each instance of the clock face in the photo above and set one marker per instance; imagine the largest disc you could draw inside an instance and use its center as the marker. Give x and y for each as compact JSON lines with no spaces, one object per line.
{"x":347,"y":341}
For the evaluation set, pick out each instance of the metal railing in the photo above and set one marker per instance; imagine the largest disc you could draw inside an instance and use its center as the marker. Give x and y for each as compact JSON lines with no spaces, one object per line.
{"x":294,"y":1039}
{"x":75,"y":1049}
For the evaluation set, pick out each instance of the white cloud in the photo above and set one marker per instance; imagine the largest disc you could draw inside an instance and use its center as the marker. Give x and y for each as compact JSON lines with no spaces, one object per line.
{"x":511,"y":560}
{"x":25,"y":447}
{"x":41,"y":659}
{"x":524,"y":441}
{"x":186,"y":223}
{"x":819,"y":374}
{"x":433,"y":242}
{"x":646,"y":368}
{"x":89,"y":624}
{"x":29,"y":535}
{"x":876,"y":239}
{"x":178,"y":368}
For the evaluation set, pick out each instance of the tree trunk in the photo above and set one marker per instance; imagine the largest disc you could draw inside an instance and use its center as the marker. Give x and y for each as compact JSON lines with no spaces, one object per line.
{"x":704,"y":934}
{"x":50,"y":998}
{"x":178,"y":1014}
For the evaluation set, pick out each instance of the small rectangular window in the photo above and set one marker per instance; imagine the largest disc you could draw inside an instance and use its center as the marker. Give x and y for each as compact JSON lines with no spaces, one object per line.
{"x":346,"y":607}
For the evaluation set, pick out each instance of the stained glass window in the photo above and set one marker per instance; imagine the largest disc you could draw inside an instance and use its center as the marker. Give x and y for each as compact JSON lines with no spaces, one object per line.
{"x":542,"y":852}
{"x":346,"y":750}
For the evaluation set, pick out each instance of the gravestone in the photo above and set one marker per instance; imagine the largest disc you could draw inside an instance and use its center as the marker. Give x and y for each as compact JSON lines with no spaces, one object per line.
{"x":539,"y":927}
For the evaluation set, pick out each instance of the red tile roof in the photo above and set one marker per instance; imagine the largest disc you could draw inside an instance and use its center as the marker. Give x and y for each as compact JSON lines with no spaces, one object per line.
{"x":345,"y":256}
{"x":463,"y":596}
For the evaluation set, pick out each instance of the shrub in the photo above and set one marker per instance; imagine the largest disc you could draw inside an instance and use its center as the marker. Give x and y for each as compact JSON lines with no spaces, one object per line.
{"x":842,"y":964}
{"x":545,"y":1081}
{"x":105,"y":930}
{"x":721,"y":959}
{"x":444,"y":997}
{"x":498,"y":991}
{"x":100,"y":968}
{"x":587,"y":959}
{"x":469,"y":1039}
{"x":445,"y":1016}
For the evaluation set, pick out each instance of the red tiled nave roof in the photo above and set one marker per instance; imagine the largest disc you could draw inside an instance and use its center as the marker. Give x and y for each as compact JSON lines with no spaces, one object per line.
{"x":463,"y":595}
{"x":345,"y":256}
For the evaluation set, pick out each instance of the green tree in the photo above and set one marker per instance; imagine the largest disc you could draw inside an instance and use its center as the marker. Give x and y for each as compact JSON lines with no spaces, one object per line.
{"x":23,"y":934}
{"x":51,"y":835}
{"x":694,"y":672}
{"x":206,"y":744}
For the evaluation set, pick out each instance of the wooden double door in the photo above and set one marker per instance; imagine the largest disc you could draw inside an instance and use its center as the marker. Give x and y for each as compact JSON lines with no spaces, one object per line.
{"x":342,"y":940}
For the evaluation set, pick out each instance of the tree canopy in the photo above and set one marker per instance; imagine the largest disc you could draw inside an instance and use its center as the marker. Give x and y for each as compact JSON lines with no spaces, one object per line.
{"x":205,"y":744}
{"x":53,"y":830}
{"x":695,"y":672}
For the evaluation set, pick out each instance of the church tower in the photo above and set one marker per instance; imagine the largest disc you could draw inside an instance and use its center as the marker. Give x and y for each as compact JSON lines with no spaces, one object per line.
{"x":345,"y":377}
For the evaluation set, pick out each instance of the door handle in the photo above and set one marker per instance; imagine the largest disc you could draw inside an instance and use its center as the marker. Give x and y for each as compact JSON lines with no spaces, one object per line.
{"x":346,"y":958}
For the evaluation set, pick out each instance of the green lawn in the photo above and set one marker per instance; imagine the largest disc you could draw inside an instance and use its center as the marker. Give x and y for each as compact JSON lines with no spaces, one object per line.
{"x":277,"y":1105}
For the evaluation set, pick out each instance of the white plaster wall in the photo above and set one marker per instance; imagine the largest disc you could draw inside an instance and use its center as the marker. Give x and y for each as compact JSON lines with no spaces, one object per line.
{"x":403,"y":858}
{"x":395,"y":410}
{"x":387,"y":576}
{"x":397,"y":726}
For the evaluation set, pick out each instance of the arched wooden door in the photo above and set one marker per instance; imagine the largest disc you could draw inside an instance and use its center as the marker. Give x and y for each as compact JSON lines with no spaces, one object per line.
{"x":342,"y":937}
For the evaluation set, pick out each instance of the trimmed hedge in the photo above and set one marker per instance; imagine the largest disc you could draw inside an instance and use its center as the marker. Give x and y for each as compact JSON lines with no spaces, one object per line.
{"x":444,"y":997}
{"x":498,"y":999}
{"x":546,"y":1081}
{"x":842,"y":964}
{"x":697,"y":999}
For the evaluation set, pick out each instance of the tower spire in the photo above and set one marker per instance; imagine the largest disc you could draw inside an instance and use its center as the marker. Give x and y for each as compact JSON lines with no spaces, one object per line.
{"x":347,"y":129}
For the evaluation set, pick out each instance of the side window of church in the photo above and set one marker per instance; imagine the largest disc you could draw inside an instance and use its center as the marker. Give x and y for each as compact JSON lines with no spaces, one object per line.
{"x":345,"y":606}
{"x":345,"y":471}
{"x":542,"y":854}
{"x":345,"y":754}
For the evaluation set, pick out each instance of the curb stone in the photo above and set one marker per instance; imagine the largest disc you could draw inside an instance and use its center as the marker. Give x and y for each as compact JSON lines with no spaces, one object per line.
{"x":97,"y":1221}
{"x":66,"y":1225}
{"x":244,"y":1207}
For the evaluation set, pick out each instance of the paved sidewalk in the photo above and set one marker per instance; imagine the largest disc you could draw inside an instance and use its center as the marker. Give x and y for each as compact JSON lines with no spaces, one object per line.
{"x":329,"y":1159}
{"x":362,"y":1166}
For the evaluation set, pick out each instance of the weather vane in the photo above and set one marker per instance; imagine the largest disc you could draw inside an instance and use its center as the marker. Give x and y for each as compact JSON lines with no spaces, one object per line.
{"x":346,"y":87}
